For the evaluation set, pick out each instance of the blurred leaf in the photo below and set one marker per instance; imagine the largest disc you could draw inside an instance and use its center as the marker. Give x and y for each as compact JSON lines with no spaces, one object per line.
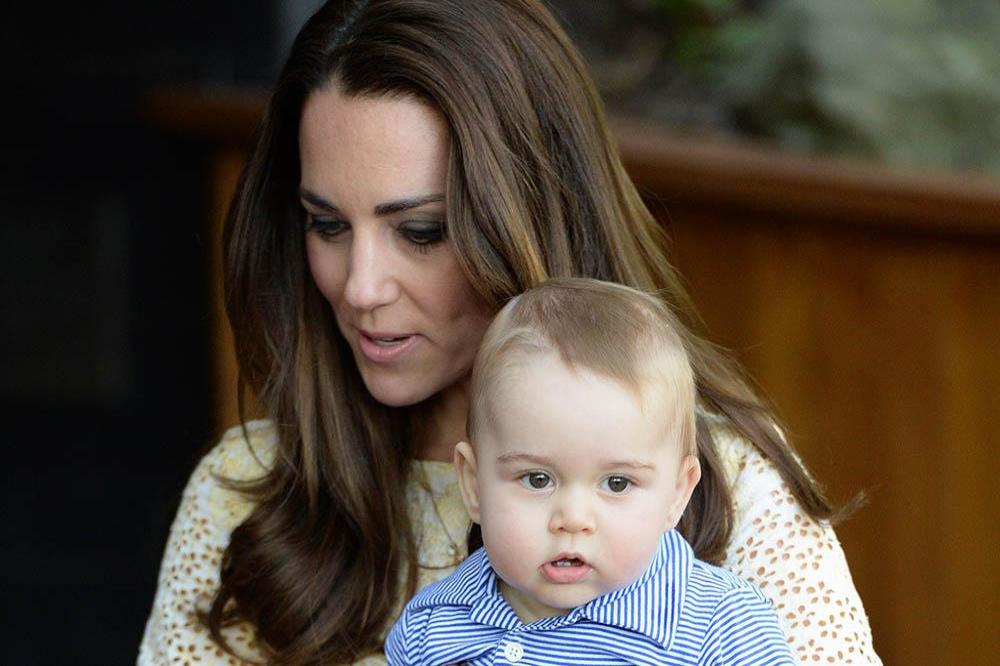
{"x":914,"y":82}
{"x":717,"y":6}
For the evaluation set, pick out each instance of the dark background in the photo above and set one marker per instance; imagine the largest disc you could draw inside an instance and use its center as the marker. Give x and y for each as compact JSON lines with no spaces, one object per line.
{"x":105,"y":361}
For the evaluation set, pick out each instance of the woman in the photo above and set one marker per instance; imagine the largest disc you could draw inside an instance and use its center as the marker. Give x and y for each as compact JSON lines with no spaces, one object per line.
{"x":420,"y":162}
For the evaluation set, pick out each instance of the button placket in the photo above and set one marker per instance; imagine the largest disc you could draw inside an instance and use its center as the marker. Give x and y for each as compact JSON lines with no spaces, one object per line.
{"x":513,"y":652}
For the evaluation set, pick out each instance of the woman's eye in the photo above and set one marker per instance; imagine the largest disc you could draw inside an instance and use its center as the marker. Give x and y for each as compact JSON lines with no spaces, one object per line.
{"x":327,"y":228}
{"x":536,"y":480}
{"x":617,"y":484}
{"x":422,"y":233}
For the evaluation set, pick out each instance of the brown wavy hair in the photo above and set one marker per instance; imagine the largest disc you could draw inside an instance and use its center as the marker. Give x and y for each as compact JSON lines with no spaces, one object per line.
{"x":535,"y":189}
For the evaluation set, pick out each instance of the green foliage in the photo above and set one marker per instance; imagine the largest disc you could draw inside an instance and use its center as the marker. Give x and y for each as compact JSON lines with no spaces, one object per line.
{"x":705,"y":29}
{"x":913,"y":82}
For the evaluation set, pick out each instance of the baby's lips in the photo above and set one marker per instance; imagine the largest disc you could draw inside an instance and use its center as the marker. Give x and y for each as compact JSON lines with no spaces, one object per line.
{"x":569,"y":555}
{"x":565,"y":574}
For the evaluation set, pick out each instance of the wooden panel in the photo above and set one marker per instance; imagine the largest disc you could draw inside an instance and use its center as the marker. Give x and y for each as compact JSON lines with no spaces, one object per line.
{"x":741,"y":175}
{"x":879,"y":350}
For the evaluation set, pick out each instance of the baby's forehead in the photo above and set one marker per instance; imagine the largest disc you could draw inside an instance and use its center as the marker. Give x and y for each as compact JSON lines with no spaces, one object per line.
{"x":631,"y":420}
{"x":570,"y":456}
{"x":649,"y":389}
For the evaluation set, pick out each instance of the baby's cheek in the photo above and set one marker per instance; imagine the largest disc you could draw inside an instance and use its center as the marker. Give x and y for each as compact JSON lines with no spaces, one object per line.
{"x":498,"y":514}
{"x":632,"y":546}
{"x":509,"y":546}
{"x":510,"y":534}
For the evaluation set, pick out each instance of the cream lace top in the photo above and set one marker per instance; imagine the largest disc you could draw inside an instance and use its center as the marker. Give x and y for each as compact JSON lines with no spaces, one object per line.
{"x":795,"y":560}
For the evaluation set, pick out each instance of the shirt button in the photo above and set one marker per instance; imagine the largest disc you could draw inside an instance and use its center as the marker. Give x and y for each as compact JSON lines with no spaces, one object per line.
{"x":513,"y":652}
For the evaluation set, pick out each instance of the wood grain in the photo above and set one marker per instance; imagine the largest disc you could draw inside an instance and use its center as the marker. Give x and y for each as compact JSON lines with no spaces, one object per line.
{"x":880,"y":351}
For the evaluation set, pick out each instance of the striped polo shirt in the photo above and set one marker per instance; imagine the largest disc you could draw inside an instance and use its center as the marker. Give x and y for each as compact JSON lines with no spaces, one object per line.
{"x":679,"y":611}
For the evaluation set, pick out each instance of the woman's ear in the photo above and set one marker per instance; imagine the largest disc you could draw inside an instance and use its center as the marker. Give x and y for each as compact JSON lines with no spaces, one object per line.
{"x":465,"y":467}
{"x":688,"y":475}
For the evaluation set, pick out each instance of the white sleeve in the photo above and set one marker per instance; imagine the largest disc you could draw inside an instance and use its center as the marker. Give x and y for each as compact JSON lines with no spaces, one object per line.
{"x":795,"y":560}
{"x":189,"y":573}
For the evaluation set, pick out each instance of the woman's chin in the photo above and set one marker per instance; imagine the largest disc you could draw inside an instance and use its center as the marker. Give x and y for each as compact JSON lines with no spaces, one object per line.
{"x":397,"y":393}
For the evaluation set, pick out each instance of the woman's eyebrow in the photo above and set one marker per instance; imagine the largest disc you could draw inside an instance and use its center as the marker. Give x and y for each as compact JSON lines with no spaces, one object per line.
{"x":381,"y":210}
{"x":406,"y":204}
{"x":316,"y":200}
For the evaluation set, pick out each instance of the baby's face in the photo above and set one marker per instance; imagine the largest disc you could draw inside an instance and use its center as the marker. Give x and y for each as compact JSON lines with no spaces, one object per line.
{"x":575,"y":485}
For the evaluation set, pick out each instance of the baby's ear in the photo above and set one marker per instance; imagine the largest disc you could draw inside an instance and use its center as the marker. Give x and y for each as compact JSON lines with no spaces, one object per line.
{"x":465,"y":467}
{"x":688,"y":475}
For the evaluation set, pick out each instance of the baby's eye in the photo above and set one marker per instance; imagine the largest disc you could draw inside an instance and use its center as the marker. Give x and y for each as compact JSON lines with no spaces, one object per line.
{"x":536,"y":480}
{"x":617,"y":484}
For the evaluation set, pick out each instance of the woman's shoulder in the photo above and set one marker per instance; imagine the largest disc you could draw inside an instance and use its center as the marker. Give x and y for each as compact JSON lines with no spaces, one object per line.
{"x":794,"y":559}
{"x":746,"y":468}
{"x":245,"y":453}
{"x":212,"y":506}
{"x":732,"y":448}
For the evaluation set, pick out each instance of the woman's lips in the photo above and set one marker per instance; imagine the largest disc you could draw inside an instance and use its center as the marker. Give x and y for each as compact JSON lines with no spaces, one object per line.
{"x":384,"y":347}
{"x":565,"y":570}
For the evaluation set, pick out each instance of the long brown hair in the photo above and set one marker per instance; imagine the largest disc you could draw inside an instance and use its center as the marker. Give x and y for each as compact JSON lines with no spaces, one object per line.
{"x":535,"y":189}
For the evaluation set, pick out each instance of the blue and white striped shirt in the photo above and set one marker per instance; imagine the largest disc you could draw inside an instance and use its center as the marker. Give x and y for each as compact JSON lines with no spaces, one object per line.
{"x":679,"y":611}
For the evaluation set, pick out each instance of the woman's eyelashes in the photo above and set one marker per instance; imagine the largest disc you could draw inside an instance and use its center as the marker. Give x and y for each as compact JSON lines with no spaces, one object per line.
{"x":421,"y":234}
{"x":327,"y":228}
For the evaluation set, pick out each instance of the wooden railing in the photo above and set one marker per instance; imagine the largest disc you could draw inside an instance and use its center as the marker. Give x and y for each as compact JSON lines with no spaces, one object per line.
{"x":867,"y":305}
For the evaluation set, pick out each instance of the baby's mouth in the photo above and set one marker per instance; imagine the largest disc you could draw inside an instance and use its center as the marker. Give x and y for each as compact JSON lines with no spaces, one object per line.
{"x":564,"y":570}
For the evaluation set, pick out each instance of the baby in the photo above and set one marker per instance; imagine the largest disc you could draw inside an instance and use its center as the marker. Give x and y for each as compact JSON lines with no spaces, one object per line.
{"x":580,"y":461}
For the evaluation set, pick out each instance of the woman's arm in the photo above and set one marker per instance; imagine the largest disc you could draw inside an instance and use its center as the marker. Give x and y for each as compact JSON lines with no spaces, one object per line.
{"x":189,"y":573}
{"x":797,"y":562}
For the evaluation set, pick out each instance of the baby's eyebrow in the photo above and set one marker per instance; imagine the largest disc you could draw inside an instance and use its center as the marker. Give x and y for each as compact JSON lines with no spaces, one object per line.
{"x":628,"y":464}
{"x":518,"y":457}
{"x":515,"y":457}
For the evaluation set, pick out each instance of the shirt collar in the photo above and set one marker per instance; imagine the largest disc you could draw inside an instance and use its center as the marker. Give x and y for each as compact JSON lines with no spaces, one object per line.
{"x":650,"y":605}
{"x":473,"y":584}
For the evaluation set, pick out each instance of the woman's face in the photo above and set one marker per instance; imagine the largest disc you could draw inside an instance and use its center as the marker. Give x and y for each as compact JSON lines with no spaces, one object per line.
{"x":373,"y":185}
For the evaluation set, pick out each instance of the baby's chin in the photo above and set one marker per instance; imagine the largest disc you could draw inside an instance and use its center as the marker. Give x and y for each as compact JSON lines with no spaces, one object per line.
{"x":563,"y":601}
{"x":548,"y":601}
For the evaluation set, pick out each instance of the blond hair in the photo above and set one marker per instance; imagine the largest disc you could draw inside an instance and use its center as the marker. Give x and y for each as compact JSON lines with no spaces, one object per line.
{"x":614,"y":331}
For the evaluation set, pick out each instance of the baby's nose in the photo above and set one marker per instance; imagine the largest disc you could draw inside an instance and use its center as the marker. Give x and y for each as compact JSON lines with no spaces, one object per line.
{"x":573,"y":515}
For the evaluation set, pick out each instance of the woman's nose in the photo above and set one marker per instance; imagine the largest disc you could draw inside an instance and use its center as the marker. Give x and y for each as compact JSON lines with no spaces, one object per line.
{"x":371,"y":282}
{"x":572,"y":514}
